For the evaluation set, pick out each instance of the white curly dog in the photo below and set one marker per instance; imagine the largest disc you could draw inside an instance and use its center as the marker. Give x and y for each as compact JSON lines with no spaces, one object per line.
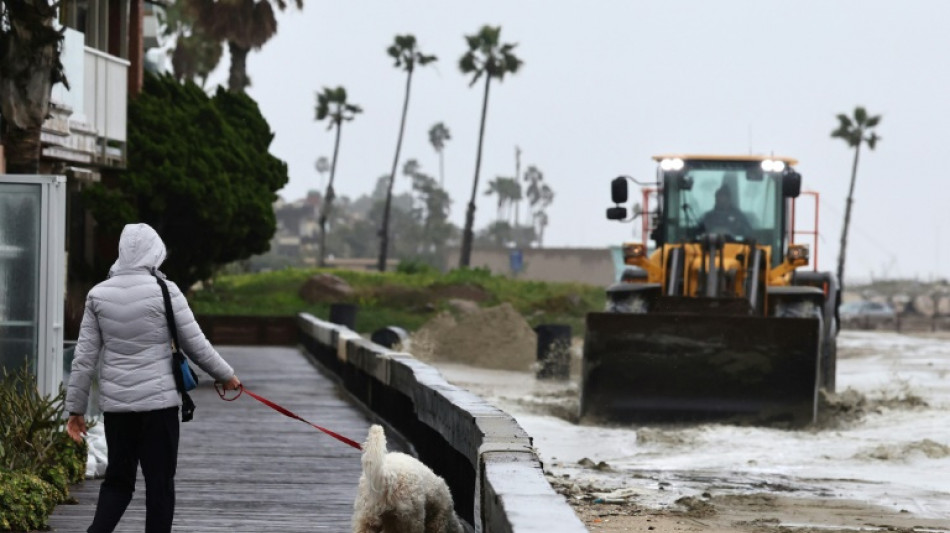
{"x":399,"y":494}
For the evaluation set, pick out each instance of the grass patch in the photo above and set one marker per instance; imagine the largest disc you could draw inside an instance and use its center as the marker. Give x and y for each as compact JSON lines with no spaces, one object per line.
{"x":401,"y":299}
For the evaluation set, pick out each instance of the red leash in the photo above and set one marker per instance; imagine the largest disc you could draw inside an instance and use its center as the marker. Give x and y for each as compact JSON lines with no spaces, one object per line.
{"x":285,"y":412}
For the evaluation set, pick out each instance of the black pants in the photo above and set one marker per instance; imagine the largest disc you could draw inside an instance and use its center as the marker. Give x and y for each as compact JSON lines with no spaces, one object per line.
{"x":149,"y":438}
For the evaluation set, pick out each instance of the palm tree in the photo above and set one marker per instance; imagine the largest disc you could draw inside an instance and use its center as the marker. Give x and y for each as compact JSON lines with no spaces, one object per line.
{"x":333,"y":107}
{"x":29,"y":67}
{"x":406,"y":55}
{"x":196,"y":54}
{"x":512,"y":192}
{"x":534,"y":178}
{"x":854,"y":132}
{"x":438,"y":134}
{"x":497,"y":188}
{"x":244,"y":24}
{"x":545,"y":197}
{"x":486,"y":56}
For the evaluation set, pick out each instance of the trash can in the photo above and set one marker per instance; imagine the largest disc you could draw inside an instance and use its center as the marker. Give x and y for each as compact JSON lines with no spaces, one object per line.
{"x":554,"y":351}
{"x":344,"y":315}
{"x":391,"y":337}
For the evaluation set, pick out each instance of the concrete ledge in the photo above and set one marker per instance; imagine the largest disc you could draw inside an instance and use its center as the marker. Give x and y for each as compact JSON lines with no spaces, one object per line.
{"x":484,"y":455}
{"x":517,"y":497}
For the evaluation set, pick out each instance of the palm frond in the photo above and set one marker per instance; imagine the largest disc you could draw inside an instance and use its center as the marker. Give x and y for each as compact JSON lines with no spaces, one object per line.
{"x":473,"y":42}
{"x":860,"y":115}
{"x":467,"y":63}
{"x":424,"y":59}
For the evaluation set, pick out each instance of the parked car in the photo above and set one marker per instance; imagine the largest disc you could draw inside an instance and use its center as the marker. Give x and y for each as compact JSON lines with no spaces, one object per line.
{"x":867,"y":315}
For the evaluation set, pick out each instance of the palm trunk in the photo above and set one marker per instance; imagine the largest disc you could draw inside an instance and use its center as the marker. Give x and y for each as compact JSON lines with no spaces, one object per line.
{"x":328,"y":199}
{"x":465,"y":255}
{"x":441,"y":170}
{"x":21,"y":148}
{"x":847,"y":218}
{"x":237,"y":78}
{"x":517,"y":182}
{"x":384,"y":232}
{"x":30,"y":61}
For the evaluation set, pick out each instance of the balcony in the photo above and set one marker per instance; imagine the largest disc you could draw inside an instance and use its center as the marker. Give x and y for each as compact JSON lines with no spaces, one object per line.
{"x":87,"y":126}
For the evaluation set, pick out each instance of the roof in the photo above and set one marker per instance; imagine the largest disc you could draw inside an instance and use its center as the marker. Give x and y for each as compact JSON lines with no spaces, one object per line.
{"x":719,"y":157}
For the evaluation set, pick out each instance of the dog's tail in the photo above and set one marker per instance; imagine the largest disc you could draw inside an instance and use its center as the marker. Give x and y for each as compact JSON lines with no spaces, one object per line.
{"x":374,"y":455}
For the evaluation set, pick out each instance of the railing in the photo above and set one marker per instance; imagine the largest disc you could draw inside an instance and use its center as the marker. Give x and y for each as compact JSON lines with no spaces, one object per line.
{"x":105,"y":89}
{"x":87,"y":123}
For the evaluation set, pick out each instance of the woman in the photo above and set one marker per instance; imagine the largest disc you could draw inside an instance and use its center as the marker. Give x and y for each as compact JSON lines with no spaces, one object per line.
{"x":124,"y":333}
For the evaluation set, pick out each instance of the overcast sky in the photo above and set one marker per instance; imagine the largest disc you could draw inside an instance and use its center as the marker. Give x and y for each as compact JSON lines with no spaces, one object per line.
{"x":607,"y":84}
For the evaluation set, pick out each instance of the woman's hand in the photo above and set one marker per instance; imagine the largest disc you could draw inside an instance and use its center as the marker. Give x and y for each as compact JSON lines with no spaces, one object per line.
{"x":232,"y":384}
{"x":76,"y":427}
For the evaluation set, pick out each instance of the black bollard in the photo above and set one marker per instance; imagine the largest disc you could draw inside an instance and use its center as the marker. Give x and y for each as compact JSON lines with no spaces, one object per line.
{"x":391,"y":337}
{"x":554,"y":351}
{"x":344,"y":315}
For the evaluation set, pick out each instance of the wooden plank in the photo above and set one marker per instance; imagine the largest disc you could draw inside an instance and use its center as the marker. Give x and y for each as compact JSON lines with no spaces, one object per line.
{"x":243,"y":467}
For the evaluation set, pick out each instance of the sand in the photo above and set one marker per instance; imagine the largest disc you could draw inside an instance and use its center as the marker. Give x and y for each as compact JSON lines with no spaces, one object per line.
{"x":494,"y":337}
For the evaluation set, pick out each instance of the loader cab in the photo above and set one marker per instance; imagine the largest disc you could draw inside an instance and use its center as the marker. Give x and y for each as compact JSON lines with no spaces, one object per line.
{"x":743,"y":199}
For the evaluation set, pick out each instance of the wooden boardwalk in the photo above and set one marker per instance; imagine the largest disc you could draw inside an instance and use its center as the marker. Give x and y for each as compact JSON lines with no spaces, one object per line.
{"x":243,"y":467}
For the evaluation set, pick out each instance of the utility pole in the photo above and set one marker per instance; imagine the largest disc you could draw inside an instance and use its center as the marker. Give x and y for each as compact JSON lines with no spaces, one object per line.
{"x":518,"y":181}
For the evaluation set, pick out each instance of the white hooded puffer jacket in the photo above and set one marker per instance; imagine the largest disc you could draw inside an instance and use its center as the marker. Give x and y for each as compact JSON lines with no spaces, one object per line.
{"x":124,"y":329}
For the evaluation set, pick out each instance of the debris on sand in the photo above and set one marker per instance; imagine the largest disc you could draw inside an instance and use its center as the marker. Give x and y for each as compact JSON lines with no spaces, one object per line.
{"x":647,"y":435}
{"x":587,"y":463}
{"x":903,"y":452}
{"x":696,"y":508}
{"x":849,"y":406}
{"x":494,"y":337}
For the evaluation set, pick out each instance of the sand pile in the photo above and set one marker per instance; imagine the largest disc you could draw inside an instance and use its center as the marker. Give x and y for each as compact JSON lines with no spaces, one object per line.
{"x":495,"y":337}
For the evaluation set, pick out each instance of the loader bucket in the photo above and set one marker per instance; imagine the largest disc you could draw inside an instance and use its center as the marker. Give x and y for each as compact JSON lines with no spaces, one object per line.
{"x":672,"y":367}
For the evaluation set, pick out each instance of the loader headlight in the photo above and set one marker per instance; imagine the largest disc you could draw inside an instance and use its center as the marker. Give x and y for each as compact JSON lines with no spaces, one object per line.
{"x":672,"y":164}
{"x":770,"y":165}
{"x":798,"y":252}
{"x":634,"y":251}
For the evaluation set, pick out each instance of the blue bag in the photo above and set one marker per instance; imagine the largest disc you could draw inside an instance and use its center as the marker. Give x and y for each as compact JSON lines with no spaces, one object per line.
{"x":185,"y":377}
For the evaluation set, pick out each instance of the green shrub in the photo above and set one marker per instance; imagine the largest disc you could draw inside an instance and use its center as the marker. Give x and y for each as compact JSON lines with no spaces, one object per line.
{"x":415,"y":266}
{"x":38,"y":459}
{"x":394,"y":298}
{"x":26,"y":501}
{"x":31,"y":421}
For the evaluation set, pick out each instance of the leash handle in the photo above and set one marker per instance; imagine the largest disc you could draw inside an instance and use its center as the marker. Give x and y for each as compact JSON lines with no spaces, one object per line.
{"x":222,"y":393}
{"x":286,"y":412}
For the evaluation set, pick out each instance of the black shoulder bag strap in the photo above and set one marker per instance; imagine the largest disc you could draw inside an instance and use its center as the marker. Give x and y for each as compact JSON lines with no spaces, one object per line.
{"x":187,"y":405}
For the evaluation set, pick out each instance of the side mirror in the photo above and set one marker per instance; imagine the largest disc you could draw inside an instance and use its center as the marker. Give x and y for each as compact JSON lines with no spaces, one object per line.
{"x":684,"y":183}
{"x":791,"y":184}
{"x":616,"y":213}
{"x":618,"y":190}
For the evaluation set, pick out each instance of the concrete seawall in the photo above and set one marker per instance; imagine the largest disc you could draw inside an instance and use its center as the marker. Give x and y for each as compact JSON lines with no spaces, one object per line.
{"x":484,"y":455}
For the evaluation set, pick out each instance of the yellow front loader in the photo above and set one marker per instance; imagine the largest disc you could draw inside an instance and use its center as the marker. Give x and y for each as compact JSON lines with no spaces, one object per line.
{"x":717,"y":319}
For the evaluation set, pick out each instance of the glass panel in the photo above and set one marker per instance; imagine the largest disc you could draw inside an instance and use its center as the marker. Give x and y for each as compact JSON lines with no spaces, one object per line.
{"x":731,"y":198}
{"x":19,"y":273}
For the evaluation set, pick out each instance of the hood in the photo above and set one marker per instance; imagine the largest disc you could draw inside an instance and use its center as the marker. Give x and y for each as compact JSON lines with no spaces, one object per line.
{"x":139,"y":247}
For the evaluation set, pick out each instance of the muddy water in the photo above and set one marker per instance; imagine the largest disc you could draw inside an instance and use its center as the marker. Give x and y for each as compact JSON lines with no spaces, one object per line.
{"x":881,"y":448}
